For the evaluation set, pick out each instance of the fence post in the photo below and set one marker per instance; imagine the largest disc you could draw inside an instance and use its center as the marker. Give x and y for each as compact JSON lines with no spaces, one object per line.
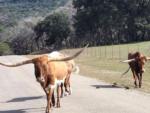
{"x":96,"y":51}
{"x":138,"y":47}
{"x":119,"y":52}
{"x":87,"y":51}
{"x":105,"y":52}
{"x":128,"y":48}
{"x":112,"y":52}
{"x":99,"y":51}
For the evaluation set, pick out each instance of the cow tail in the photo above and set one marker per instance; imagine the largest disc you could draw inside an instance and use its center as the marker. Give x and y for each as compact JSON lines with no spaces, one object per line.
{"x":126,"y":71}
{"x":76,"y":70}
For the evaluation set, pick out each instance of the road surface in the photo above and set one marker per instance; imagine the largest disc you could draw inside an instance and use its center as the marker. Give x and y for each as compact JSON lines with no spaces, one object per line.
{"x":20,"y":93}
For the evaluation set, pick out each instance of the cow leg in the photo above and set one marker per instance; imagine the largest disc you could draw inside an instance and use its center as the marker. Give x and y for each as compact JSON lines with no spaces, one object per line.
{"x":66,"y":87}
{"x":135,"y":78}
{"x":70,"y":90}
{"x":138,"y":76}
{"x":53,"y":99}
{"x":58,"y":95}
{"x":140,"y":80}
{"x":47,"y":107}
{"x":49,"y":103}
{"x":62,"y":90}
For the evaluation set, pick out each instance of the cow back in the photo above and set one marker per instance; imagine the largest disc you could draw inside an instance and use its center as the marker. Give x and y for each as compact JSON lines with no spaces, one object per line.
{"x":58,"y":69}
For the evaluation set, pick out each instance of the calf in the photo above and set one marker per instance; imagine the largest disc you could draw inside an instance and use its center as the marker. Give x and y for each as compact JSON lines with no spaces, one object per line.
{"x":136,"y":62}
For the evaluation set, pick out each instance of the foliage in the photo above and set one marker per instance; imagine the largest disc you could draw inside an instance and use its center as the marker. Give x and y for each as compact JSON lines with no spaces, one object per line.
{"x":13,"y":10}
{"x":18,"y":17}
{"x":97,"y":22}
{"x":56,"y":27}
{"x":4,"y":48}
{"x":21,"y":39}
{"x":1,"y":28}
{"x":112,"y":21}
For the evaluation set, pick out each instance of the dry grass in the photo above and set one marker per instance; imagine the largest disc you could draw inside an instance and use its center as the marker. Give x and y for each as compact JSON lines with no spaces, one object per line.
{"x":111,"y":71}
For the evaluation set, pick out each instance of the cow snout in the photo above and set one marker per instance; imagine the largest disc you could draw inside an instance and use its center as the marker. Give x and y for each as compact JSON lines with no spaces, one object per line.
{"x":143,"y":70}
{"x":41,"y":79}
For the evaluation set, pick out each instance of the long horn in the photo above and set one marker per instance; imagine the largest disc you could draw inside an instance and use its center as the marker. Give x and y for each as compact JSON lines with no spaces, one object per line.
{"x":70,"y":57}
{"x":17,"y":64}
{"x":127,"y":61}
{"x":32,"y":56}
{"x":148,"y":58}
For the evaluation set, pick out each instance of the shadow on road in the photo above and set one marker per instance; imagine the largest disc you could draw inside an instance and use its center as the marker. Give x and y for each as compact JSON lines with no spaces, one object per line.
{"x":21,"y":99}
{"x":25,"y":110}
{"x":105,"y":86}
{"x":13,"y":111}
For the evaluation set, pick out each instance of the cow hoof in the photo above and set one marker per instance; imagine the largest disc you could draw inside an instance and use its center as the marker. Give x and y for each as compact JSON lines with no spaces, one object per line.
{"x":58,"y":106}
{"x":70,"y":91}
{"x":66,"y":94}
{"x":114,"y":84}
{"x":47,"y":110}
{"x":53,"y":104}
{"x":62,"y":96}
{"x":126,"y":87}
{"x":135,"y":87}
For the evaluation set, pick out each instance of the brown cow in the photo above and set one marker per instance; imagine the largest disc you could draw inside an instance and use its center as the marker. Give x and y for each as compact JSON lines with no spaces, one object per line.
{"x":71,"y":68}
{"x":50,"y":73}
{"x":136,"y":63}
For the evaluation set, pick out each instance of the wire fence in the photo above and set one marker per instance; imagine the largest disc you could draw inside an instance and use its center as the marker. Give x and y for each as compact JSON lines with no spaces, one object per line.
{"x":113,"y":51}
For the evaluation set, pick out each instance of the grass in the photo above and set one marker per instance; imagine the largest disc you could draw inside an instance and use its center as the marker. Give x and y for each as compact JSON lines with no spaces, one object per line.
{"x":104,"y":63}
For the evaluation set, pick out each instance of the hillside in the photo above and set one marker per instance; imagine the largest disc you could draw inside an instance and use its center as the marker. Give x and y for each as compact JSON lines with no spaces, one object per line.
{"x":95,"y":22}
{"x":13,"y":10}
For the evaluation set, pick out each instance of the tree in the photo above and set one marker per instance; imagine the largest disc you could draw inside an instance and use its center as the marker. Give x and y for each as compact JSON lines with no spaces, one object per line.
{"x":111,"y":21}
{"x":56,"y":27}
{"x":4,"y":49}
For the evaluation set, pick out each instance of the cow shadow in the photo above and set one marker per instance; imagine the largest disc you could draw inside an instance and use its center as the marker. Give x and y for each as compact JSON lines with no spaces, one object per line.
{"x":105,"y":86}
{"x":22,"y":99}
{"x":13,"y":111}
{"x":24,"y":110}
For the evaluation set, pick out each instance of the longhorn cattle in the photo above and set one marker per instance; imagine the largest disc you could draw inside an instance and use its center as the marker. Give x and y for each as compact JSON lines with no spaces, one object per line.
{"x":71,"y":68}
{"x":136,"y":63}
{"x":49,"y":73}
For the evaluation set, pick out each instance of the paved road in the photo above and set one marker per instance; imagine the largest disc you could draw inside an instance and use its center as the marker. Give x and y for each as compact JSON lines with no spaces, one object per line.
{"x":20,"y":93}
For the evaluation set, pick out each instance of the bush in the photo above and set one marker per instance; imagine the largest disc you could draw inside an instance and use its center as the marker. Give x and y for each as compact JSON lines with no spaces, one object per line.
{"x":56,"y":27}
{"x":4,"y":49}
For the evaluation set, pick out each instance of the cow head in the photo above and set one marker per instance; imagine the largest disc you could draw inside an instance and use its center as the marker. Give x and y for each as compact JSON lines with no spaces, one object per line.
{"x":140,"y":61}
{"x":40,"y":65}
{"x":39,"y":73}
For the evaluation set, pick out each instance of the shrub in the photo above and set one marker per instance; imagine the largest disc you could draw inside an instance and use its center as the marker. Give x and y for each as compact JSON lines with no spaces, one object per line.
{"x":4,"y":48}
